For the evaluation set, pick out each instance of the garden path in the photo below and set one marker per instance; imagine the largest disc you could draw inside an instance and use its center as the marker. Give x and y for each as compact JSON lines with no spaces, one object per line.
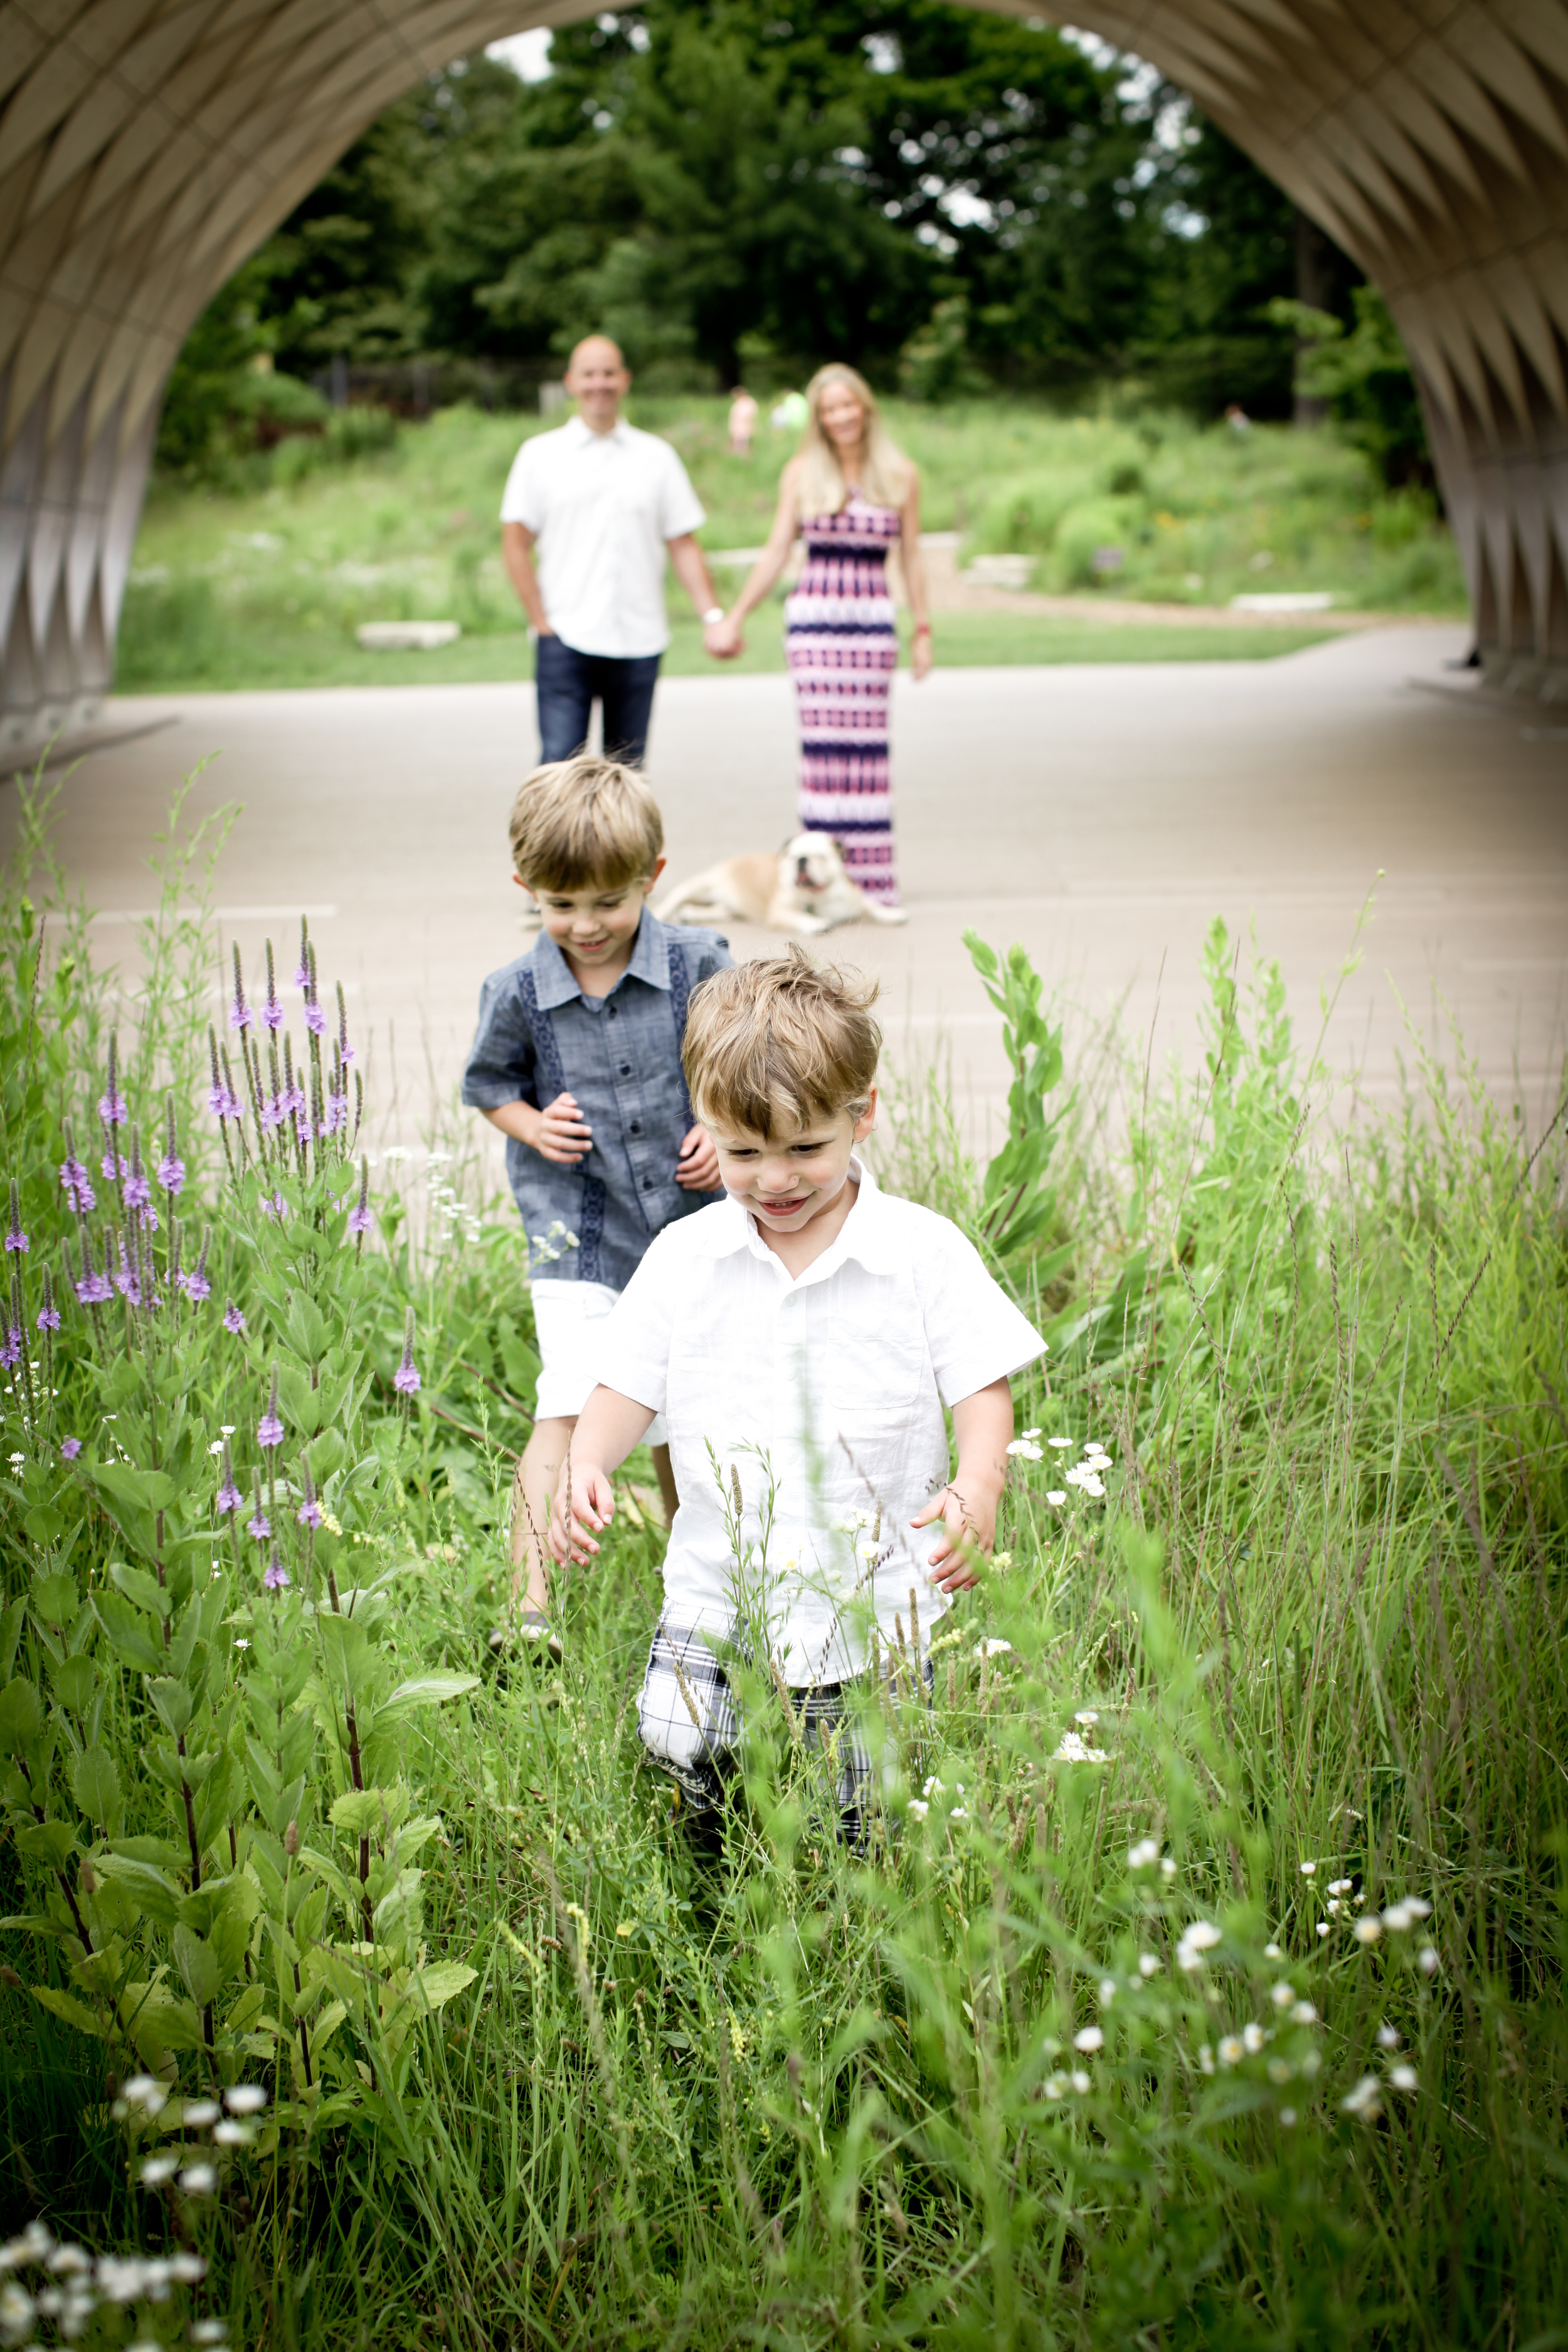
{"x":1100,"y":816}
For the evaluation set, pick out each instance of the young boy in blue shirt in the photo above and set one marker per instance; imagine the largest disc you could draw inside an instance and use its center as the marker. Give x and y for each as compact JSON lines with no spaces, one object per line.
{"x":577,"y":1061}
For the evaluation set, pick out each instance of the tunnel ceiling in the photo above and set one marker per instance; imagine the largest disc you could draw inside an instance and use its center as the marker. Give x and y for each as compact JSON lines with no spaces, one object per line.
{"x":148,"y":146}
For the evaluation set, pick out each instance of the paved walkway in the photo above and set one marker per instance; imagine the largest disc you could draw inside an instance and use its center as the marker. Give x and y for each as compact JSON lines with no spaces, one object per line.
{"x":1100,"y":816}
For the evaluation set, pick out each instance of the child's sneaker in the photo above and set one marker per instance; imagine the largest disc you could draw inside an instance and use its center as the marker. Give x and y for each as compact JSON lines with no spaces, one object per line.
{"x":536,"y":1626}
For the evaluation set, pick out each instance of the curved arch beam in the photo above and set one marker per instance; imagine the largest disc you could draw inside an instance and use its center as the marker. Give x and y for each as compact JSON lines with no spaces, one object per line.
{"x":148,"y":146}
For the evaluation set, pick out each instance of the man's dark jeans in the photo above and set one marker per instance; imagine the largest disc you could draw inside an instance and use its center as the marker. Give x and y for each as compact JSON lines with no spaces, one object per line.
{"x":568,"y":684}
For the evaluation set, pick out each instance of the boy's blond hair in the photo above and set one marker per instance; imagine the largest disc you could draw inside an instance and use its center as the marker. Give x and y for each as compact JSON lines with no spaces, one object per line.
{"x":581,"y":823}
{"x":780,"y":1039}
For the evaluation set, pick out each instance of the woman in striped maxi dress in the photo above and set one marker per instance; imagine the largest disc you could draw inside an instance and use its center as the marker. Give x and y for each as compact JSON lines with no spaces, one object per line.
{"x":852,"y":497}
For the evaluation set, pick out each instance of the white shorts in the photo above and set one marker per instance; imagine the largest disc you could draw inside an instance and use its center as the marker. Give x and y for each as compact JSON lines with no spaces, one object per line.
{"x":569,"y":1317}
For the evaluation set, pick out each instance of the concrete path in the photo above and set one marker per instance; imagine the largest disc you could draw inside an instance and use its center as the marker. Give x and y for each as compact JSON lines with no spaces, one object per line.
{"x":1100,"y":816}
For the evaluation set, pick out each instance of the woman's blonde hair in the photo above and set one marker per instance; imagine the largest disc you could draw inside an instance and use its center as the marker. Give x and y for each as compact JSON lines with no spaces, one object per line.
{"x":885,"y":472}
{"x":780,"y":1042}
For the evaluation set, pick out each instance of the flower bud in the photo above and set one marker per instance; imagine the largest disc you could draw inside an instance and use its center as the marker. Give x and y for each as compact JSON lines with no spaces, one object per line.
{"x":291,"y":1840}
{"x":8,"y":1977}
{"x":88,"y":1879}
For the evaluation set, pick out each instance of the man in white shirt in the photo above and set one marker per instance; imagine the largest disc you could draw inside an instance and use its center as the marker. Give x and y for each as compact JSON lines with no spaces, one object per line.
{"x":604,"y":503}
{"x":803,"y":1338}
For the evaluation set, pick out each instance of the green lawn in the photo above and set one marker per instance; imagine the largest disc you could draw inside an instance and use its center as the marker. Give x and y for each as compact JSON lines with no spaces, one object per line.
{"x":264,"y":586}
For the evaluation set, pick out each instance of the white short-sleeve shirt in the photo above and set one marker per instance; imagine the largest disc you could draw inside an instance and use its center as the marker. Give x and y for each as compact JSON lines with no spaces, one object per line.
{"x":603,"y":506}
{"x":828,"y":1391}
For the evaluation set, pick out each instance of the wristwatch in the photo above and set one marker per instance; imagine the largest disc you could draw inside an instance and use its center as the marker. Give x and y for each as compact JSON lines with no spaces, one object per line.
{"x":714,"y":612}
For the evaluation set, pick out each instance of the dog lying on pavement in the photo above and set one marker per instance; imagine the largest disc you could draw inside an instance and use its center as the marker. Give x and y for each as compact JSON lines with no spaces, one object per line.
{"x":804,"y":889}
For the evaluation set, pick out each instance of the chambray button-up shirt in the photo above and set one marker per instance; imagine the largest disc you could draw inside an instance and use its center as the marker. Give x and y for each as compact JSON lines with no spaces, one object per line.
{"x":619,"y":1054}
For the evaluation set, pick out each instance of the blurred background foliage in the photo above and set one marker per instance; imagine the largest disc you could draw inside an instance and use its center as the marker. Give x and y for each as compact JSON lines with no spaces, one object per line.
{"x":951,"y":200}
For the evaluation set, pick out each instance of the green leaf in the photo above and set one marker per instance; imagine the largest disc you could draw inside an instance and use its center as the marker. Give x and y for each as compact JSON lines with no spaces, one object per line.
{"x":175,"y":1701}
{"x":95,"y":1784}
{"x":199,"y":1965}
{"x":56,"y":1599}
{"x":128,"y":1634}
{"x":64,"y":2005}
{"x":441,"y":1982}
{"x":50,"y":1841}
{"x":430,"y":1690}
{"x":158,"y":1895}
{"x":145,"y":1490}
{"x":21,"y":1715}
{"x":138,"y":1586}
{"x":360,"y":1812}
{"x":75,"y":1681}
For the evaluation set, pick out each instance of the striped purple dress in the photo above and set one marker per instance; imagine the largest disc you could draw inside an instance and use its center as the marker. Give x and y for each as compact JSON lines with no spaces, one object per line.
{"x":843,"y":648}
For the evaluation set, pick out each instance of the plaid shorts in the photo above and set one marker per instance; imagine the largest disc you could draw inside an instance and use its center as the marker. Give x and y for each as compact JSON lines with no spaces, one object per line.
{"x":700,"y":1751}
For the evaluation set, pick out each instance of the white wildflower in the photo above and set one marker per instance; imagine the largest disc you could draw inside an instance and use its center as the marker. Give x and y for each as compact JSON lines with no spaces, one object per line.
{"x":1143,"y":1855}
{"x":1072,"y":1750}
{"x":1231,"y":2052}
{"x":1333,"y":1906}
{"x":1304,"y":2014}
{"x":145,"y":2091}
{"x":1054,"y":2087}
{"x":1024,"y":1450}
{"x":121,"y":2277}
{"x":1398,"y":1917}
{"x":1061,"y":1444}
{"x":1282,"y":1994}
{"x":1419,"y":1905}
{"x":1055,"y":1499}
{"x":1107,"y":1991}
{"x":17,"y":2309}
{"x":1084,"y":1476}
{"x":1254,"y":2036}
{"x":199,"y":2113}
{"x":1388,"y":2037}
{"x":1426,"y":1960}
{"x":394,"y":1153}
{"x":993,"y":1648}
{"x":1080,"y":2081}
{"x":1286,"y":2117}
{"x":1086,"y":1716}
{"x":1272,"y":1952}
{"x":210,"y":2331}
{"x":918,"y":1808}
{"x":1088,"y":2038}
{"x":156,"y":2170}
{"x":933,"y":1785}
{"x":1199,"y":1938}
{"x":229,"y":2133}
{"x":198,"y":2180}
{"x":1280,"y":2070}
{"x":1167,"y":1867}
{"x":959,"y":1813}
{"x":1148,"y":1966}
{"x":1369,"y":1930}
{"x":867,"y":1550}
{"x":1363,"y":2101}
{"x":1308,"y":1869}
{"x":1323,"y":1927}
{"x":1206,"y":2058}
{"x":1403,"y":2077}
{"x":1341,"y":1885}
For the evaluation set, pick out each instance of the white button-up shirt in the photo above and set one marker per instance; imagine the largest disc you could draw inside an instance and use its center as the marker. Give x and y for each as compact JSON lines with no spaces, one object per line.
{"x":603,"y":506}
{"x":823,"y":1398}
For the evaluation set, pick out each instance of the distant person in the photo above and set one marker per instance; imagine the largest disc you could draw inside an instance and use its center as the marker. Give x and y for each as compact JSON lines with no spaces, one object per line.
{"x":601,"y":1149}
{"x":1236,"y":417}
{"x":852,"y":497}
{"x":606,"y":503}
{"x":742,"y":422}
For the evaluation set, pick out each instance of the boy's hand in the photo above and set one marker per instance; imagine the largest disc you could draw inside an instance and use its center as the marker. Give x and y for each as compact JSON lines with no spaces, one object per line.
{"x":698,"y":1167}
{"x":563,"y":1135}
{"x":968,"y":1516}
{"x":589,"y":1505}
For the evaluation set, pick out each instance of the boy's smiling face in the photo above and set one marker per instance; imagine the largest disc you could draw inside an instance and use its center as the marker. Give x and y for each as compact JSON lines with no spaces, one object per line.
{"x":797,"y":1175}
{"x":594,"y":927}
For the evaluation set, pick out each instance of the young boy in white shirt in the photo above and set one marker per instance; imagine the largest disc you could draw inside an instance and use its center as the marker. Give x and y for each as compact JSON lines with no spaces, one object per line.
{"x":809,"y":1330}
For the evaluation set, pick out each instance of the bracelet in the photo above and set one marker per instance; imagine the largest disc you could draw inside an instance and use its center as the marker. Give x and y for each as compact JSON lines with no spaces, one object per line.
{"x":922,"y":628}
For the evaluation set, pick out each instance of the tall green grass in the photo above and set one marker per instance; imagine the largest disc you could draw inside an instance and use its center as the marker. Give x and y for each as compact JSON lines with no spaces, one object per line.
{"x":1300,"y":1667}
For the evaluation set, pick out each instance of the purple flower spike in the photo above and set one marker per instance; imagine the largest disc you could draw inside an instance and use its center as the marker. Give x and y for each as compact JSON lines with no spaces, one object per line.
{"x":16,"y":1239}
{"x":70,"y":1448}
{"x":171,"y":1172}
{"x":233,"y":1320}
{"x":126,"y":1281}
{"x":309,"y":1514}
{"x":49,"y":1318}
{"x":196,"y":1288}
{"x":11,"y":1348}
{"x":229,"y":1499}
{"x":94,"y":1288}
{"x":111,"y":1108}
{"x":270,"y":1430}
{"x":276,"y":1207}
{"x":76,"y":1182}
{"x":315,"y":1019}
{"x":240,"y":1016}
{"x":259,"y":1525}
{"x":277,"y":1579}
{"x":361,"y":1218}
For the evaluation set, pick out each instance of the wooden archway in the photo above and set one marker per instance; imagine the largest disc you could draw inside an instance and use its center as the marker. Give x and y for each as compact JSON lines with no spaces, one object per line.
{"x":148,"y":146}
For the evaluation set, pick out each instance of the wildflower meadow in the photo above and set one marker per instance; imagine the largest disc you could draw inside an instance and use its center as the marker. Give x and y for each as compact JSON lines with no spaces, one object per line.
{"x":1199,"y":1979}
